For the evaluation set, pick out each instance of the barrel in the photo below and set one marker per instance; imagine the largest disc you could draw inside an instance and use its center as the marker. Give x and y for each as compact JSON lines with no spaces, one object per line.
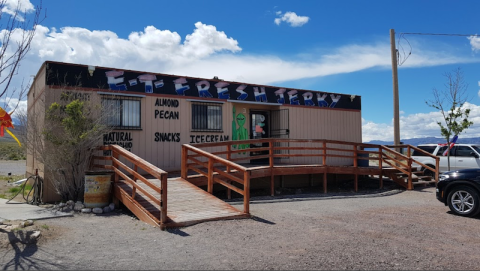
{"x":98,"y":187}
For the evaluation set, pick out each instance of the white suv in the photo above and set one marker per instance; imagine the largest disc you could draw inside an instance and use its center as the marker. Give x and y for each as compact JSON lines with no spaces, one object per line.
{"x":461,"y":156}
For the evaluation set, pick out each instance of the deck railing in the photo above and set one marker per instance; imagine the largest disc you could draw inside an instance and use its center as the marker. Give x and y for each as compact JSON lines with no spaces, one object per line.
{"x":411,"y":161}
{"x":219,"y":162}
{"x":131,"y":175}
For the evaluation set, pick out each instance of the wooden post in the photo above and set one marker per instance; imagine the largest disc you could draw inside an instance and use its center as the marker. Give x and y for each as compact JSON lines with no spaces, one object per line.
{"x":135,"y":168}
{"x":356,"y":183}
{"x":437,"y":168}
{"x":324,"y":159}
{"x":396,"y":111}
{"x":325,"y":181}
{"x":355,"y":165}
{"x":115,"y":155}
{"x":163,"y":199}
{"x":184,"y":167}
{"x":246,"y":192}
{"x":272,"y":177}
{"x":410,"y":182}
{"x":380,"y":167}
{"x":229,"y":157}
{"x":210,"y":175}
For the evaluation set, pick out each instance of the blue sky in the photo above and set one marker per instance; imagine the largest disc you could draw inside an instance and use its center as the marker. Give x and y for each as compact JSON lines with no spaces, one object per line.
{"x":332,"y":46}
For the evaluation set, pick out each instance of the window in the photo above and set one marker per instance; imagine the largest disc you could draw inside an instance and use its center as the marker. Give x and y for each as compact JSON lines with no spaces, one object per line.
{"x":207,"y":117}
{"x":122,"y":112}
{"x":464,"y":151}
{"x":444,"y":148}
{"x":429,"y":149}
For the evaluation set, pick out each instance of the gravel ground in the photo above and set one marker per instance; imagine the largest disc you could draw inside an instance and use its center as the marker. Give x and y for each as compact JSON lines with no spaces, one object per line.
{"x":392,"y":230}
{"x":14,"y":167}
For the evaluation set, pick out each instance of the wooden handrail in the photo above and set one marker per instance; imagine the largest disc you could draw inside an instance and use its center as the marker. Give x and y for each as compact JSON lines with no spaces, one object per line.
{"x":118,"y":153}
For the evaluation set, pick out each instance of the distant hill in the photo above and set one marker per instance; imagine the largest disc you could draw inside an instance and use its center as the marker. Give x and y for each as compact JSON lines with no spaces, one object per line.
{"x":427,"y":140}
{"x":17,"y":131}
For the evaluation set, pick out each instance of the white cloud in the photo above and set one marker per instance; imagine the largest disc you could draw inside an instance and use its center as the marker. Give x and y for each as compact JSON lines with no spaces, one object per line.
{"x":475,"y":42}
{"x":291,"y":18}
{"x":14,"y":105}
{"x":21,"y":6}
{"x":206,"y":52}
{"x":418,"y":126}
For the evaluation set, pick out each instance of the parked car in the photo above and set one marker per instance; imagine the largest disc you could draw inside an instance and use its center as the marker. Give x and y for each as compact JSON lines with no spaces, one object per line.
{"x":460,"y":190}
{"x":462,"y":156}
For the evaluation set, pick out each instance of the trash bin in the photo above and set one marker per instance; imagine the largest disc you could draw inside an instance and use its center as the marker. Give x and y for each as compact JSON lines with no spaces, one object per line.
{"x":98,"y":188}
{"x":362,"y":162}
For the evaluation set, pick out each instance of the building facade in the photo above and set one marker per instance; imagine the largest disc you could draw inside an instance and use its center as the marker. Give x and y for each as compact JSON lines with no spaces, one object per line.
{"x":157,"y":113}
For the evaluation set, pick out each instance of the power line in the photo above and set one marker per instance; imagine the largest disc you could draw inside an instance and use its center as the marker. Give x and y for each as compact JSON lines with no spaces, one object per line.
{"x":436,"y":34}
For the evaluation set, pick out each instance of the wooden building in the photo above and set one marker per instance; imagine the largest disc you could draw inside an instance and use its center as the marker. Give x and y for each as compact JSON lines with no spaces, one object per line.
{"x":157,"y":113}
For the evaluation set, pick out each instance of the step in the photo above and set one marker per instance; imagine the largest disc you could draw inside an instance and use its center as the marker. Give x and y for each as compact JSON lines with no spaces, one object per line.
{"x":424,"y":183}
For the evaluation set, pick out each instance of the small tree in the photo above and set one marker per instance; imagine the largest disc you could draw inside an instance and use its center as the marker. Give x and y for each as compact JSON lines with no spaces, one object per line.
{"x":64,"y":138}
{"x":450,"y":102}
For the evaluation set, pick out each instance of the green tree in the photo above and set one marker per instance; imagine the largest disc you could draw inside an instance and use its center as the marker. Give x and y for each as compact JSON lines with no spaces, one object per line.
{"x":73,"y":131}
{"x":450,"y":102}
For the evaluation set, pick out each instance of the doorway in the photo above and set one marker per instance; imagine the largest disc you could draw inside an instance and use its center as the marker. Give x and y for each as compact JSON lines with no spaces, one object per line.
{"x":259,"y":128}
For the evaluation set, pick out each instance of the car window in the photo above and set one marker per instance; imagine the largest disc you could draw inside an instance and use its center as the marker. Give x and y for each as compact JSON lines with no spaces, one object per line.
{"x":476,"y":148}
{"x":443,"y":148}
{"x":429,"y":149}
{"x":465,"y":151}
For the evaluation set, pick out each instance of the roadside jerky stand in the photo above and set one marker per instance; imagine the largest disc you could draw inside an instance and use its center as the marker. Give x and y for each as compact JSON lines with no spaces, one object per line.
{"x":160,"y":112}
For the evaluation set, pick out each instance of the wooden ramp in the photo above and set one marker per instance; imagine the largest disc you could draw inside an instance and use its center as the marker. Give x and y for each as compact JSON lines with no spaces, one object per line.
{"x":187,"y":204}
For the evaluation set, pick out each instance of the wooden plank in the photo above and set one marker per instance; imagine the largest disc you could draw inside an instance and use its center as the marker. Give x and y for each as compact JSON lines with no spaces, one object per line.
{"x":229,"y":186}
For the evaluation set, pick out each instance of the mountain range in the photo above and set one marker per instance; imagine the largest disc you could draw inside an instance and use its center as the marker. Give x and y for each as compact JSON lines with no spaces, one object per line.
{"x":428,"y":140}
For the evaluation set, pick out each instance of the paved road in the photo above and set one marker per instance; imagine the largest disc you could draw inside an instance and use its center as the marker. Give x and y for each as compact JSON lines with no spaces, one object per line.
{"x":14,"y":167}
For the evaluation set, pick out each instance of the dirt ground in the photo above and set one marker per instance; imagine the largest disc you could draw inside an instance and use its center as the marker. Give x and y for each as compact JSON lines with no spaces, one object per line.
{"x":391,"y":229}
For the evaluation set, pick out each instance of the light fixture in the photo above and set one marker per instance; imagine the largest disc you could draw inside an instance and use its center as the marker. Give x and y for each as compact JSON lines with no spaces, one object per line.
{"x":91,"y":69}
{"x":352,"y":97}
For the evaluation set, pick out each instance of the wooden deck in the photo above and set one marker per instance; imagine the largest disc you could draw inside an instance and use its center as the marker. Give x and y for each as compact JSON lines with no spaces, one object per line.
{"x":177,"y":202}
{"x":187,"y":204}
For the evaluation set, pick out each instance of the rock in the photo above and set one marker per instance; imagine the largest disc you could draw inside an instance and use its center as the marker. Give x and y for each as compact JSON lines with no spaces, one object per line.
{"x":35,"y":235}
{"x":97,"y":210}
{"x":70,"y":203}
{"x":28,"y":223}
{"x":78,"y":206}
{"x":79,"y":202}
{"x":86,"y":210}
{"x":112,"y":206}
{"x":106,"y":209}
{"x":61,"y":205}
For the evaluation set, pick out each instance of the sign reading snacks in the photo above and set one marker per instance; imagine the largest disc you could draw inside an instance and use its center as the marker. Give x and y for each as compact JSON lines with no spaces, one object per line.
{"x":119,"y":80}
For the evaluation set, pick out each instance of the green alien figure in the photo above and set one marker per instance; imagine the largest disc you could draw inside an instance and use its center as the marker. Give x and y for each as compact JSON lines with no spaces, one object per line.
{"x":241,"y":132}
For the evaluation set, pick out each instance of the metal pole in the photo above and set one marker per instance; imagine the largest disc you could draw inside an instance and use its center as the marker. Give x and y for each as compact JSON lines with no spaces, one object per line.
{"x":396,"y":111}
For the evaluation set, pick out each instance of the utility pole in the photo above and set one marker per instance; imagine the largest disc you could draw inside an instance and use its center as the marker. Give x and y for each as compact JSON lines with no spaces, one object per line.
{"x":396,"y":111}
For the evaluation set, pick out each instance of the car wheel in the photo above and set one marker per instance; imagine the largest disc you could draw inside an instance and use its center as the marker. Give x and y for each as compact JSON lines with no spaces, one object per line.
{"x":463,"y":201}
{"x":428,"y":172}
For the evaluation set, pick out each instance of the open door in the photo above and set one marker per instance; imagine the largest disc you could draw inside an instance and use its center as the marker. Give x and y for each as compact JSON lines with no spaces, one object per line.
{"x":259,"y":129}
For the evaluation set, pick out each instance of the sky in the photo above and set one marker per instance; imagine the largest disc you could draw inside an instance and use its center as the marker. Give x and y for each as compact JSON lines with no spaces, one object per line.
{"x":338,"y":46}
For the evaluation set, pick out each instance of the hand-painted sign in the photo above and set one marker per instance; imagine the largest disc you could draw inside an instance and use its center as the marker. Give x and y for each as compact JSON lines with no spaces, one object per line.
{"x":119,"y":80}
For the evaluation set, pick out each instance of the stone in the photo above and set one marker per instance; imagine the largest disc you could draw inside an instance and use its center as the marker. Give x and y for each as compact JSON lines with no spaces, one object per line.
{"x":97,"y":210}
{"x":78,"y":206}
{"x":86,"y":210}
{"x":112,"y":206}
{"x":61,"y":204}
{"x":70,"y":202}
{"x":28,"y":223}
{"x":106,"y":209}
